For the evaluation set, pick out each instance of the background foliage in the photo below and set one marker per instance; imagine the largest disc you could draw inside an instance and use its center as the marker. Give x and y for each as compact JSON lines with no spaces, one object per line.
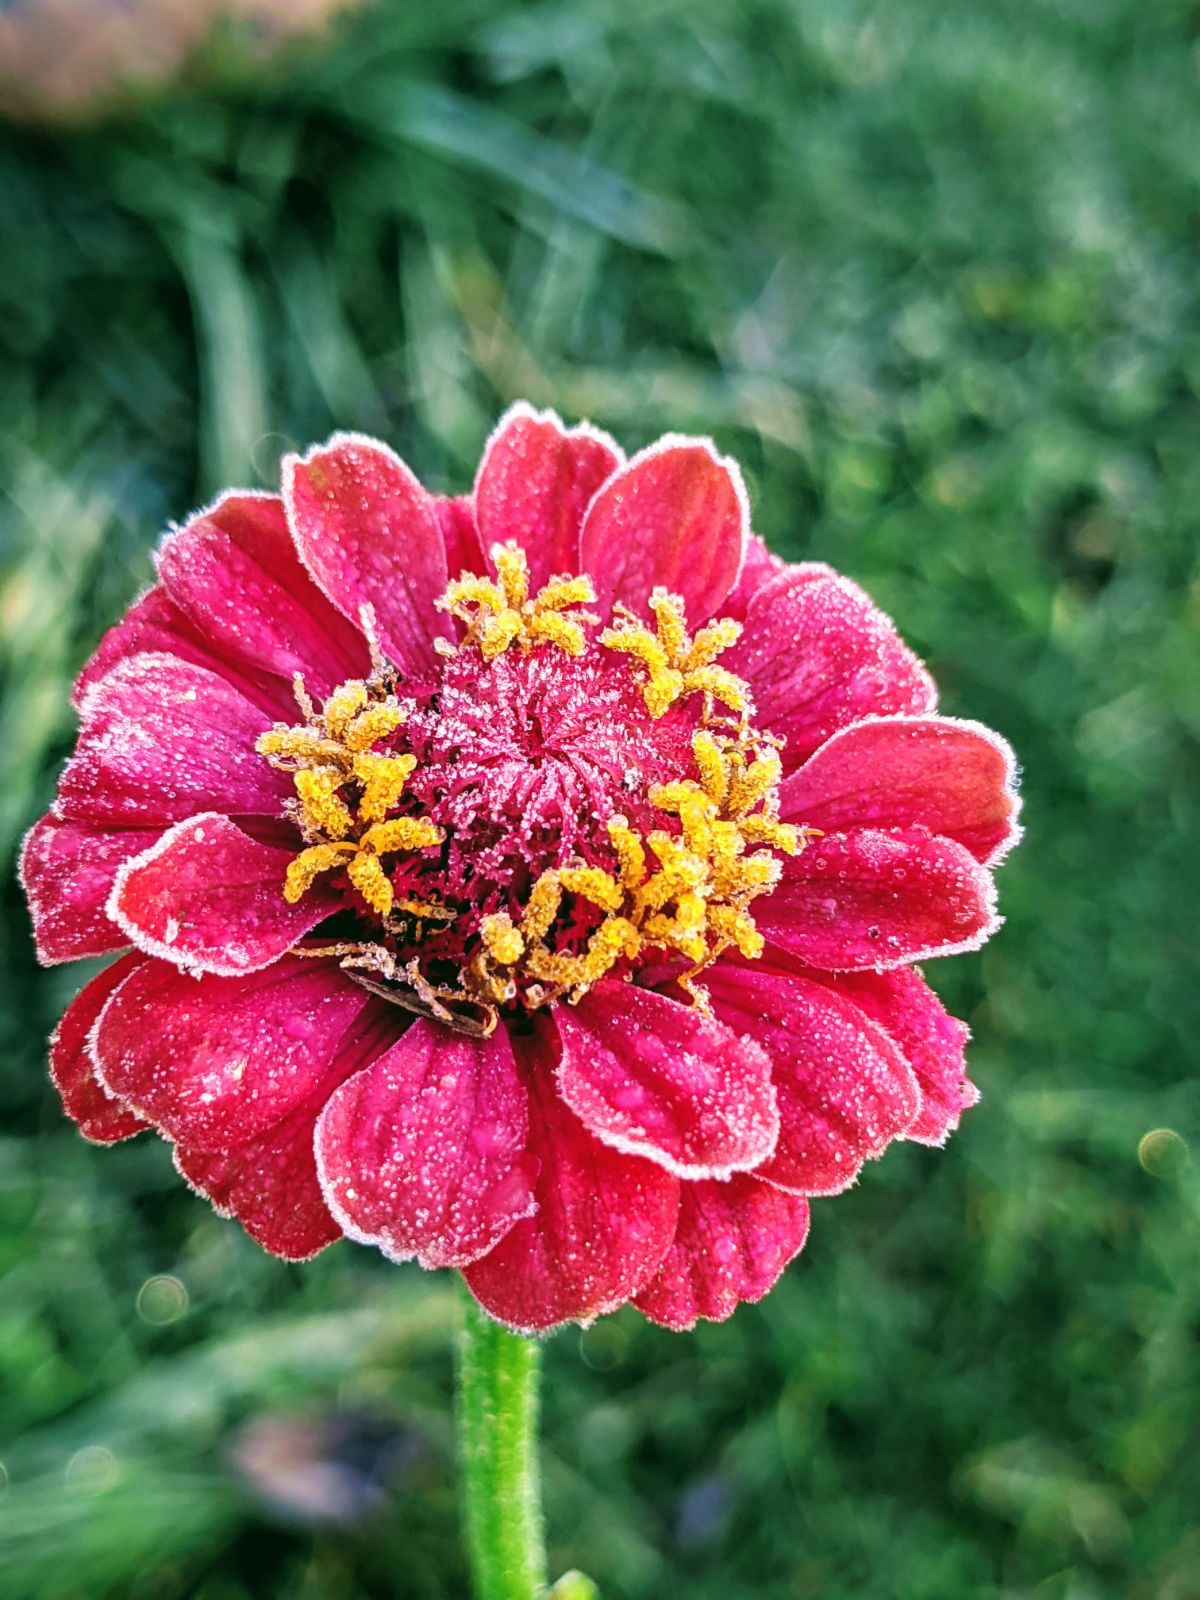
{"x":929,"y":272}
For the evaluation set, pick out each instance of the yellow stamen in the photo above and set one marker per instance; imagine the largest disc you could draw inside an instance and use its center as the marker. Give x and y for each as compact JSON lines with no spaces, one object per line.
{"x":713,"y":769}
{"x":323,"y":810}
{"x":343,"y":705}
{"x":401,"y":833}
{"x":499,"y":615}
{"x":675,"y":664}
{"x":502,"y":940}
{"x":303,"y":871}
{"x":383,"y":779}
{"x":371,"y":725}
{"x":630,"y":854}
{"x":372,"y":882}
{"x":595,"y":885}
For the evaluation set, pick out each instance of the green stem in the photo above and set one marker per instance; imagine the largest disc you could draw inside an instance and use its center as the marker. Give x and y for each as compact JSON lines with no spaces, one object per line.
{"x":497,"y":1419}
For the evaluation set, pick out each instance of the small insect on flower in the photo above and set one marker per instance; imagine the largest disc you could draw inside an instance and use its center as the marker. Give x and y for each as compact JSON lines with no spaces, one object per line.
{"x":530,"y":882}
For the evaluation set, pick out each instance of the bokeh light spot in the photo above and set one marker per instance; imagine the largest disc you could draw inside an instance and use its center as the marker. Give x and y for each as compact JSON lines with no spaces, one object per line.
{"x":162,"y":1299}
{"x":1163,"y":1152}
{"x":94,"y":1470}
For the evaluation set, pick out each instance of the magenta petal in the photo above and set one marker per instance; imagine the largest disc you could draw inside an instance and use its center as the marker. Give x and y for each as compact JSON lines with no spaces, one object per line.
{"x":954,"y":778}
{"x":269,"y":1182}
{"x":932,"y":1041}
{"x":162,"y":739}
{"x":67,"y":871}
{"x":869,"y":898}
{"x":676,"y":515}
{"x":732,"y":1242}
{"x":423,"y":1154}
{"x":154,"y":625}
{"x":224,"y":1059}
{"x":536,"y":481}
{"x":604,"y":1220}
{"x":369,"y":534}
{"x":460,"y":534}
{"x":845,"y":1090}
{"x":760,"y":567}
{"x":208,"y":898}
{"x":233,"y":570}
{"x":819,"y":654}
{"x":98,"y":1115}
{"x":656,"y":1078}
{"x":270,"y":1185}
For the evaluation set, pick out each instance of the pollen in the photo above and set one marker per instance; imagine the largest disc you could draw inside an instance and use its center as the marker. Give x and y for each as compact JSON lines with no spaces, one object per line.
{"x":345,"y":792}
{"x":501,"y":613}
{"x":674,"y":663}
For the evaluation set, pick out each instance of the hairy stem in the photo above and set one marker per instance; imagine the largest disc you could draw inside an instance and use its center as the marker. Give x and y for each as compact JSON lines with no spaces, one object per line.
{"x":497,"y":1421}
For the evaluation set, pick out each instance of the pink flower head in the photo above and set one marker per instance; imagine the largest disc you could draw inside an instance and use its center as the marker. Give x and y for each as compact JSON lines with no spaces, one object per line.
{"x":529,"y":883}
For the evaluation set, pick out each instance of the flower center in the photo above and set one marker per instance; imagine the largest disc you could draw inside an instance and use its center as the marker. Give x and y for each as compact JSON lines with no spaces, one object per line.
{"x":557,"y":805}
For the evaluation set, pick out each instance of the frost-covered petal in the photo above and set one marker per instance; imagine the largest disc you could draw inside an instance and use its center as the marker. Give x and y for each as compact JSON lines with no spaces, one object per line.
{"x":603,"y":1223}
{"x":818,"y":654}
{"x":162,"y":739}
{"x":224,"y":1058}
{"x":845,"y":1090}
{"x":154,"y":625}
{"x":460,"y":533}
{"x":67,"y":871}
{"x":954,"y":778}
{"x":656,"y":1078}
{"x":760,"y":567}
{"x":879,"y":898}
{"x":368,"y":532}
{"x":675,"y":515}
{"x":423,"y":1154}
{"x":208,"y":898}
{"x":931,"y":1040}
{"x":98,"y":1115}
{"x":535,"y":482}
{"x":270,"y":1185}
{"x":269,"y":1182}
{"x":233,"y":570}
{"x":732,"y":1242}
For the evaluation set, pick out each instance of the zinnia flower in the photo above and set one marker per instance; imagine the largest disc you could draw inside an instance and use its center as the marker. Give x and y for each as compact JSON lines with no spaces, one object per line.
{"x":529,"y":883}
{"x":61,"y":60}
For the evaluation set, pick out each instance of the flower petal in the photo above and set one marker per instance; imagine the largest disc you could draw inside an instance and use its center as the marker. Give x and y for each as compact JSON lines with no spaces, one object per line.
{"x":931,"y":1040}
{"x":818,"y":654}
{"x":731,"y":1244}
{"x":675,"y":515}
{"x":270,"y":1182}
{"x":423,"y":1154}
{"x":270,"y":1186}
{"x":99,"y":1115}
{"x":460,"y":534}
{"x":760,"y":566}
{"x":845,"y":1090}
{"x":655,"y":1078}
{"x":368,"y":532}
{"x":954,"y":778}
{"x":604,"y":1220}
{"x":154,"y":625}
{"x":233,"y":570}
{"x":879,"y":899}
{"x":67,"y":871}
{"x":208,"y":898}
{"x":536,"y":481}
{"x":224,"y":1059}
{"x":162,"y":739}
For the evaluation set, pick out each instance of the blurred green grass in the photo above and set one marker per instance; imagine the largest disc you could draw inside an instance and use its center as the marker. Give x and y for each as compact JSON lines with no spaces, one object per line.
{"x":930,"y":273}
